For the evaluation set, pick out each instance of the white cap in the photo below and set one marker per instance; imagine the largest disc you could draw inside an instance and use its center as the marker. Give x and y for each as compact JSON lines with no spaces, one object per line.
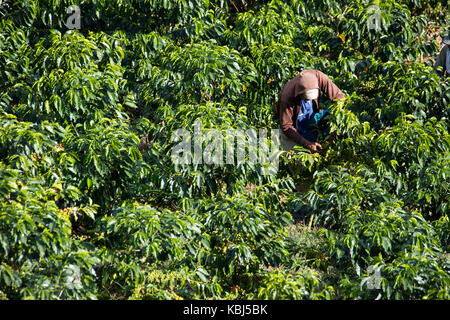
{"x":311,"y":94}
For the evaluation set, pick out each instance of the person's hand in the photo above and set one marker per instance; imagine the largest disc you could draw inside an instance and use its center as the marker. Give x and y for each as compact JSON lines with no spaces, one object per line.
{"x":314,"y":147}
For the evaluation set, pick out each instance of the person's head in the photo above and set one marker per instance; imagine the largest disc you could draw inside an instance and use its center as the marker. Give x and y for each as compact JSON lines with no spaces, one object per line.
{"x":308,"y":86}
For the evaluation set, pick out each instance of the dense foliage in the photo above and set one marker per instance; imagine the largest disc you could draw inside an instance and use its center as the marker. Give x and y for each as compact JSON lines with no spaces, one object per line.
{"x":93,"y":207}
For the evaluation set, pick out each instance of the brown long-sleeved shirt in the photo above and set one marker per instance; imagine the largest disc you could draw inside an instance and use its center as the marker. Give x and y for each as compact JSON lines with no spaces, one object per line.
{"x":289,"y":104}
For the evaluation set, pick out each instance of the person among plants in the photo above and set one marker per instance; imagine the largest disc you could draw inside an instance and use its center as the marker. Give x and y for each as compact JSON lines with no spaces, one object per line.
{"x":443,"y":60}
{"x":298,"y":108}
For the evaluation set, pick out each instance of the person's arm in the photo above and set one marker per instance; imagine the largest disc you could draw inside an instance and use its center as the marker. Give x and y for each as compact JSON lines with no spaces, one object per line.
{"x":287,"y":126}
{"x":441,"y":60}
{"x":291,"y":132}
{"x":328,"y":87}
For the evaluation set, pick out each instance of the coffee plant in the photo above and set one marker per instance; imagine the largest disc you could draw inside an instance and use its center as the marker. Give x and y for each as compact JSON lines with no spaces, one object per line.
{"x":97,"y":99}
